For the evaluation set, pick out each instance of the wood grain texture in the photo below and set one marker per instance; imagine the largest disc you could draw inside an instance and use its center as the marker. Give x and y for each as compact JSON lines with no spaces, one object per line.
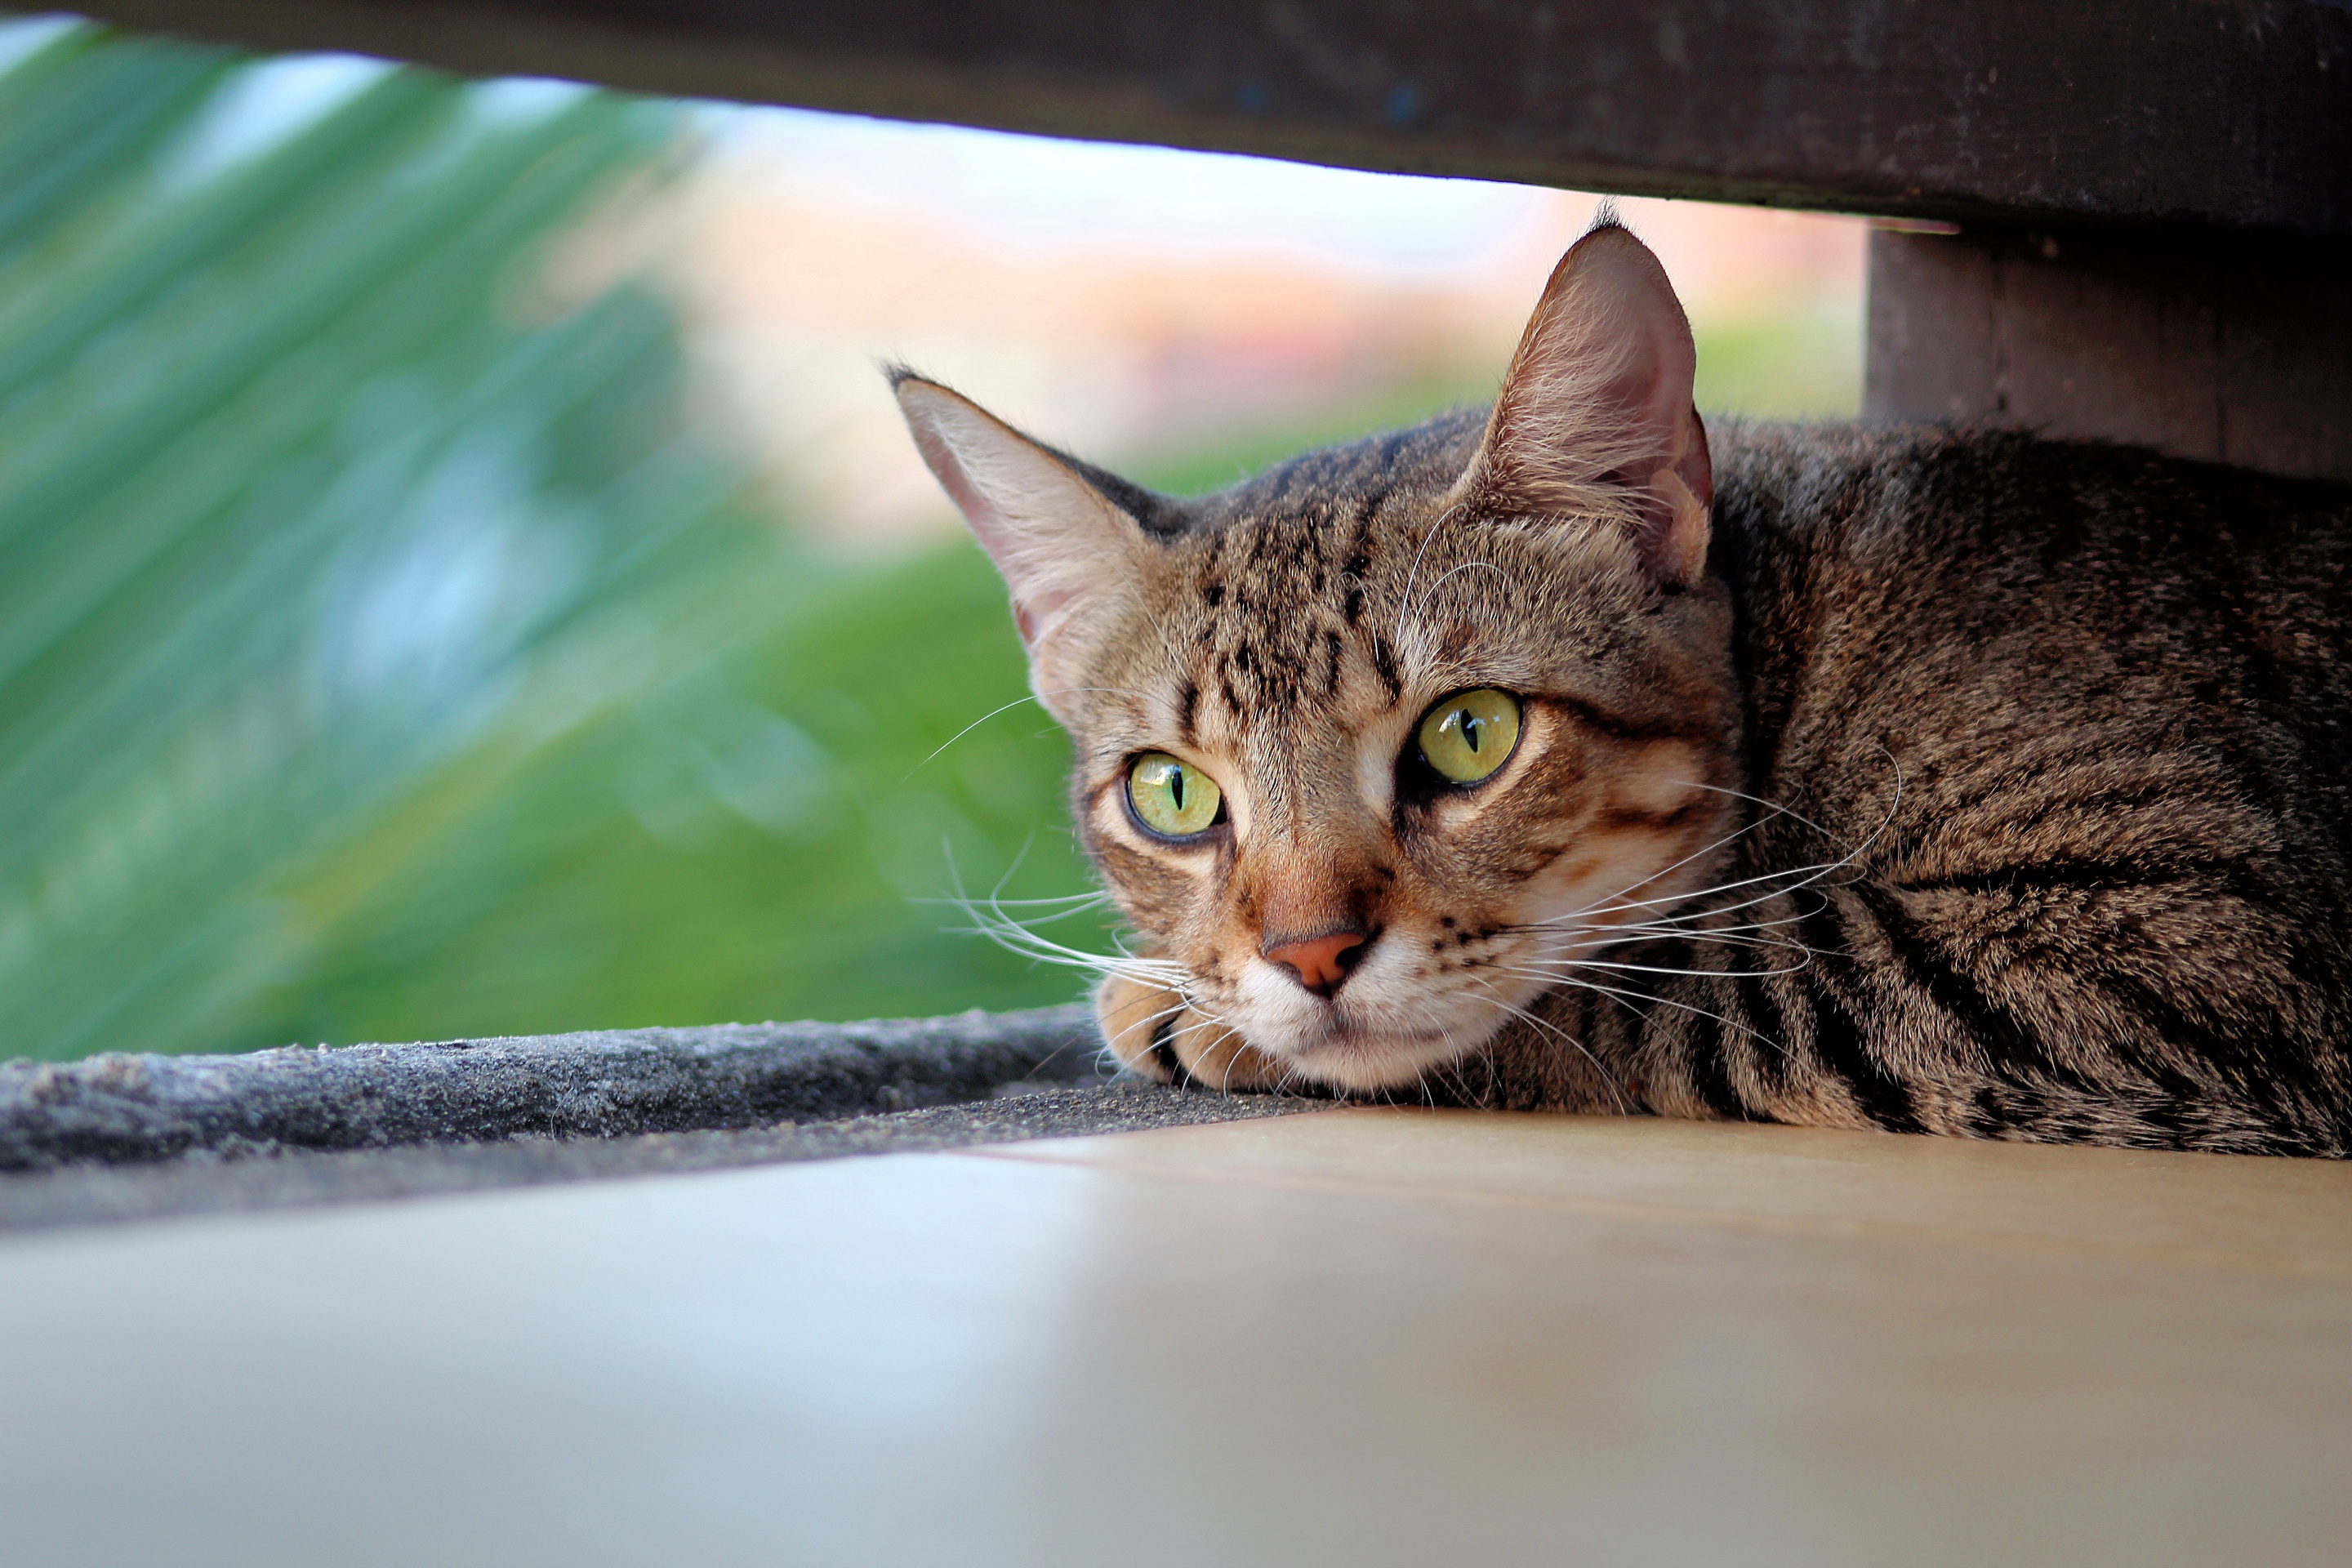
{"x":2227,"y":349}
{"x":2221,"y":111}
{"x":1363,"y":1339}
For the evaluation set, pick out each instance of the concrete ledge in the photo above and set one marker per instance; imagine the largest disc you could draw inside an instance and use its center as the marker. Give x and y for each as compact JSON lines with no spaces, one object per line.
{"x":201,"y":1184}
{"x":119,"y":1108}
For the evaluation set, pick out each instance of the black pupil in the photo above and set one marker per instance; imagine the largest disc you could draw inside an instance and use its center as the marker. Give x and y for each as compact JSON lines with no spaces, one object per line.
{"x":1176,"y":787}
{"x":1470,"y":728}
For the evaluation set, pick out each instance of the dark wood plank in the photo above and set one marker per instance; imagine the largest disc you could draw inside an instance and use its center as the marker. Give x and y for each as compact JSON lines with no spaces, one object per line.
{"x":2219,"y":112}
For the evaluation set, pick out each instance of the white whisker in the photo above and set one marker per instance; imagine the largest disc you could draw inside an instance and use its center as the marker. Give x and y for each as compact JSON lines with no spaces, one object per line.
{"x":1521,"y":1013}
{"x":1698,"y":854}
{"x":1568,"y":964}
{"x":1404,"y":601}
{"x":989,"y":920}
{"x":1670,"y":1002}
{"x":1007,"y":707}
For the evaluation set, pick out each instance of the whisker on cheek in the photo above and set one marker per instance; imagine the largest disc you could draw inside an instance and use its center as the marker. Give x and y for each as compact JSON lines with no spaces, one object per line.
{"x":1146,"y":1023}
{"x":1562,"y":967}
{"x":1522,"y":1013}
{"x":1623,"y":994}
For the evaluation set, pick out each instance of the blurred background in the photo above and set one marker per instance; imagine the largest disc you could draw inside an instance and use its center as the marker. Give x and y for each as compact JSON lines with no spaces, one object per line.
{"x":461,"y":572}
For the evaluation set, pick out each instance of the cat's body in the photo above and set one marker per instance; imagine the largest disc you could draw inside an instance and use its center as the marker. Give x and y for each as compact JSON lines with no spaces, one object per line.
{"x":1933,"y":781}
{"x":2109,"y":901}
{"x":2113,"y":902}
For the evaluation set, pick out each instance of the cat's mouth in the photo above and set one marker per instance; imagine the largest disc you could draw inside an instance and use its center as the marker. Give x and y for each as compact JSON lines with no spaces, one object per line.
{"x":1356,"y":1053}
{"x":1383,"y":1028}
{"x":1361,"y":1061}
{"x":1345,"y":1036}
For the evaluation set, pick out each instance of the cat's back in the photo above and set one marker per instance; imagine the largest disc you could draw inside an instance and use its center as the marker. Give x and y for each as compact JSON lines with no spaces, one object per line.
{"x":2078,"y":516}
{"x":2082,"y":716}
{"x":1964,"y":592}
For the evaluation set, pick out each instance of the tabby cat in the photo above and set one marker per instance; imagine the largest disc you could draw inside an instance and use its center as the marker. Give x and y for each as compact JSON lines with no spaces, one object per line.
{"x":1568,"y":755}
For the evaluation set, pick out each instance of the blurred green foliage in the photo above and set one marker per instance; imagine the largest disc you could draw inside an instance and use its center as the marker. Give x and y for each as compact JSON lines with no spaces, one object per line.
{"x":379,"y":656}
{"x":1799,"y":364}
{"x":765,"y":833}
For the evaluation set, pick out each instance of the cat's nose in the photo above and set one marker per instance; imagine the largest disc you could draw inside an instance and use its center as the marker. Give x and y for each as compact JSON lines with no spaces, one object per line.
{"x":1321,"y":963}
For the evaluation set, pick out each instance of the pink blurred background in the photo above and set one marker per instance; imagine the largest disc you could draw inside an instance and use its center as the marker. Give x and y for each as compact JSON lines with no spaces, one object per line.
{"x":1143,"y":306}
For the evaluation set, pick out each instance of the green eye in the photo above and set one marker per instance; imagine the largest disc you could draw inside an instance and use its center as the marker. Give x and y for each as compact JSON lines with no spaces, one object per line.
{"x":1468,"y":735}
{"x":1173,"y":798}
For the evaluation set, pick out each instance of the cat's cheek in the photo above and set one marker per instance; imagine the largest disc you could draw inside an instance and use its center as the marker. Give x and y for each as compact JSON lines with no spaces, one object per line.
{"x":1603,"y":876}
{"x":1131,"y":1013}
{"x":1155,"y":1034}
{"x":1159,"y":894}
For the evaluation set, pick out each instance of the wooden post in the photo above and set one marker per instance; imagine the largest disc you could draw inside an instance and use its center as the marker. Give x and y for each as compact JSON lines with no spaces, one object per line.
{"x":2231,"y":348}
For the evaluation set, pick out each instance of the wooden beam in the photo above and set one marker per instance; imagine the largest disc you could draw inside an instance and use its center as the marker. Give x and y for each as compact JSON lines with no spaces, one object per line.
{"x":2231,"y":112}
{"x":2099,"y":154}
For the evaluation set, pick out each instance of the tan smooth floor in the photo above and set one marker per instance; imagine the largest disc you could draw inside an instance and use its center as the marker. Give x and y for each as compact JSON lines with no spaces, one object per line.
{"x":1360,"y":1337}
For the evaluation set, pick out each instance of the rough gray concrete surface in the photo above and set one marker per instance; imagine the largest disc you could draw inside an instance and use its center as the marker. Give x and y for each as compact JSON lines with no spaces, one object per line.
{"x":210,"y":1183}
{"x":117,"y":1109}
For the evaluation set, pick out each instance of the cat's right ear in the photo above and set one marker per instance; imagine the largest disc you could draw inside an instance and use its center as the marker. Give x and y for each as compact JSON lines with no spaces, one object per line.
{"x":1058,"y":541}
{"x":1594,"y":419}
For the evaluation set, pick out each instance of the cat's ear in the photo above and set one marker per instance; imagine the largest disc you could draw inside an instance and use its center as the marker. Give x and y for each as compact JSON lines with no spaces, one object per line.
{"x":1595,"y":418}
{"x":1058,"y":538}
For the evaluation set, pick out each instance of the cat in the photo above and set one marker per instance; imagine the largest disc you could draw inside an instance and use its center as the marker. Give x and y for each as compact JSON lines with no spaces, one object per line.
{"x":1570,"y":755}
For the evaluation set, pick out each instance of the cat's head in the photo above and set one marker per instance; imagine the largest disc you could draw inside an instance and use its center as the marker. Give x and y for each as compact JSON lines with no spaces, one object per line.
{"x":1373,"y":744}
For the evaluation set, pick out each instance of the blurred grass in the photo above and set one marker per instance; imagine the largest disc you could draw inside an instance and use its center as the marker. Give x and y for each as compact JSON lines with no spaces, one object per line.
{"x":1801,"y":364}
{"x":762,"y":834}
{"x":382,"y":657}
{"x":1798,"y":364}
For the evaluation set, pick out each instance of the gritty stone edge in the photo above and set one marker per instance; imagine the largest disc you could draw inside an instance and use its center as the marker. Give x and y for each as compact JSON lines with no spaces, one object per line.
{"x":125,"y":1108}
{"x":200,"y":1184}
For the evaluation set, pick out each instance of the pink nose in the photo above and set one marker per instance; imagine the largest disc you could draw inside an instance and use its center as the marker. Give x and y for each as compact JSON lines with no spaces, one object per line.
{"x":1321,"y":963}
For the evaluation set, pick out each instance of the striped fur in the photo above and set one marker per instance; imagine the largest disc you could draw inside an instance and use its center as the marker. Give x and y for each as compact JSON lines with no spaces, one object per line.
{"x":1980,"y":786}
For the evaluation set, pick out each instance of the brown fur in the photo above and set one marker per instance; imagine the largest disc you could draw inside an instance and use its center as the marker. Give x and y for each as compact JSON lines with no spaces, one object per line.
{"x":1978,"y":784}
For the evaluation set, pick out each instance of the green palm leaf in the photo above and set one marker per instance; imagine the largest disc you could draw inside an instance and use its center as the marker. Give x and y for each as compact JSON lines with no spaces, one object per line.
{"x":375,"y":662}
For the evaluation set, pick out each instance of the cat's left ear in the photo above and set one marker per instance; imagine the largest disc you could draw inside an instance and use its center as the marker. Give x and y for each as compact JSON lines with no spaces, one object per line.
{"x":1595,"y":418}
{"x":1058,"y":538}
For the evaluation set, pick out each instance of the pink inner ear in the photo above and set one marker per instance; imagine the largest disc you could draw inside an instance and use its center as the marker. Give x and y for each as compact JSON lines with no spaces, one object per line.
{"x":1031,"y":562}
{"x":1599,"y":397}
{"x":1632,"y":300}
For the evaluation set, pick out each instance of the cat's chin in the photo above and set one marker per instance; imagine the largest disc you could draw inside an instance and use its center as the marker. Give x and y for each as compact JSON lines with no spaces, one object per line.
{"x":1364,"y":1042}
{"x":1154,"y":1032}
{"x":1359,"y":1060}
